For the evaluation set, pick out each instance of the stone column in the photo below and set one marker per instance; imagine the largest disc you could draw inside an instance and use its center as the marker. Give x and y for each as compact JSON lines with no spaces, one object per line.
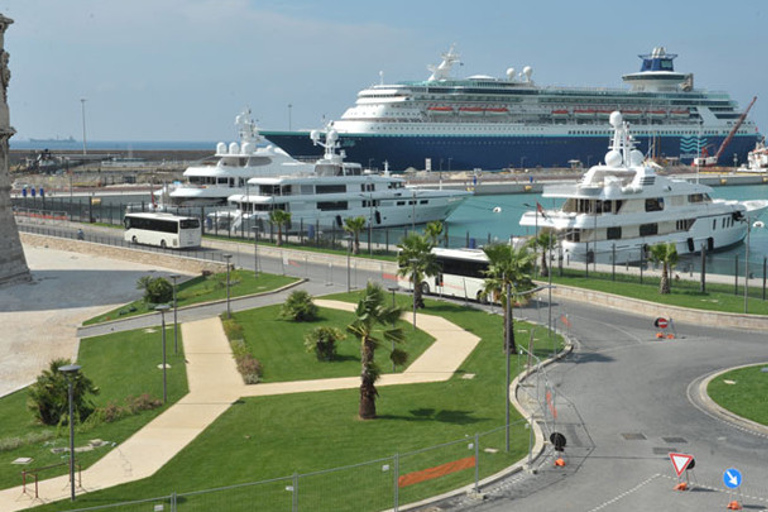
{"x":13,"y":264}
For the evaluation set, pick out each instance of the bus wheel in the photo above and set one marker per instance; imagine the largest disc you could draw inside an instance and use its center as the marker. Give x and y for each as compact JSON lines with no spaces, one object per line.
{"x":481,"y":298}
{"x":424,"y":289}
{"x":134,"y":241}
{"x":162,"y":244}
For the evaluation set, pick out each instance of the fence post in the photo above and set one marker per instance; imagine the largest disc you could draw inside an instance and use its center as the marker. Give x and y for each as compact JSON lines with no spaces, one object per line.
{"x":295,"y":492}
{"x":477,"y":462}
{"x":736,"y":274}
{"x":765,"y":263}
{"x":173,"y":501}
{"x":396,"y":483}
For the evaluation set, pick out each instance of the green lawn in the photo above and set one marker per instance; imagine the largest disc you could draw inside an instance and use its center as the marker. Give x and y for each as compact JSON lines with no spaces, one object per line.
{"x":205,"y":289}
{"x":121,"y":365}
{"x":686,"y":294}
{"x":743,"y":392}
{"x":271,"y":437}
{"x":279,"y":345}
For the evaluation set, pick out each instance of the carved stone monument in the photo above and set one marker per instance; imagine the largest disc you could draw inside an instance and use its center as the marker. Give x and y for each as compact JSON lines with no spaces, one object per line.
{"x":13,"y":264}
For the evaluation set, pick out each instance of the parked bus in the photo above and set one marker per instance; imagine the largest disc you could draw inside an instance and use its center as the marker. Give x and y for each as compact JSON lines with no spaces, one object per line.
{"x":462,"y":274}
{"x":163,"y":229}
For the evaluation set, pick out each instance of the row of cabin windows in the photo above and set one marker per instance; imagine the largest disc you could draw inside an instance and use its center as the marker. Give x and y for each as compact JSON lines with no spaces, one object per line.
{"x":652,"y":204}
{"x":322,"y":205}
{"x":651,"y":229}
{"x":220,"y":181}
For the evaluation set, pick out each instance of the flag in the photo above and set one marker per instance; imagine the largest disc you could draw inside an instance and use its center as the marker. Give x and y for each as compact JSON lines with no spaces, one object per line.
{"x":540,"y":210}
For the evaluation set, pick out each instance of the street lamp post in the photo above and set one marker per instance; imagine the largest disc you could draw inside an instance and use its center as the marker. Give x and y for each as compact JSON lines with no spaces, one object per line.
{"x":228,"y":257}
{"x":413,"y":262}
{"x":175,"y":321}
{"x":510,"y":335}
{"x":255,"y":251}
{"x":393,"y":289}
{"x":82,"y":105}
{"x":162,"y":308}
{"x":348,"y":238}
{"x":290,"y":124}
{"x":70,"y":372}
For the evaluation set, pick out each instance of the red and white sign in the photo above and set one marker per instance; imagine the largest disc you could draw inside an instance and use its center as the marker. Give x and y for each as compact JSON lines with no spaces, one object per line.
{"x":662,"y":323}
{"x":680,"y":461}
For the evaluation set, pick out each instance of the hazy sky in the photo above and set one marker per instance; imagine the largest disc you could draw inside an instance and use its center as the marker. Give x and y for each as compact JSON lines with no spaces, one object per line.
{"x":182,"y":69}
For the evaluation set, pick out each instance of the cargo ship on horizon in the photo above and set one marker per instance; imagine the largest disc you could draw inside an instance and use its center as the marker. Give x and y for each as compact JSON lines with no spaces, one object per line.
{"x":446,"y":123}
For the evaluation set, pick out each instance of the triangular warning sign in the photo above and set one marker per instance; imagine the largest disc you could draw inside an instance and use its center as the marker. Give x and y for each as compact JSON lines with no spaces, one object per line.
{"x":680,"y":461}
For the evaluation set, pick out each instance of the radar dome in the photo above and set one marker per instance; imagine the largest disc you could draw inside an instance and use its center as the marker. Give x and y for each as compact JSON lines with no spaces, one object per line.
{"x":234,"y":148}
{"x":635,"y":157}
{"x":314,"y":135}
{"x":528,"y":71}
{"x":248,"y":147}
{"x":510,"y":73}
{"x":616,"y":119}
{"x":613,"y":158}
{"x":221,"y":148}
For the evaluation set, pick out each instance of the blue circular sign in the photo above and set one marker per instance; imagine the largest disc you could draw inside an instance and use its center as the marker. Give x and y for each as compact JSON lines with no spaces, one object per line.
{"x":732,"y":478}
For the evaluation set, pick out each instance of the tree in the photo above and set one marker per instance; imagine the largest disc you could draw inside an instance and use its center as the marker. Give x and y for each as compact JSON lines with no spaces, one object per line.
{"x":354,"y":226}
{"x":511,"y":267}
{"x":416,"y":262}
{"x":157,"y":290}
{"x":546,"y":239}
{"x":299,"y":307}
{"x":666,"y":254}
{"x":49,"y":395}
{"x":433,"y":231}
{"x":373,"y":324}
{"x":280,"y":218}
{"x":322,"y":341}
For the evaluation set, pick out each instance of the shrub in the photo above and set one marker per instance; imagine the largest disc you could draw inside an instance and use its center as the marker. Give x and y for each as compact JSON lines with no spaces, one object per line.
{"x":156,"y":290}
{"x":322,"y":341}
{"x":299,"y":307}
{"x":250,"y":368}
{"x":48,"y":396}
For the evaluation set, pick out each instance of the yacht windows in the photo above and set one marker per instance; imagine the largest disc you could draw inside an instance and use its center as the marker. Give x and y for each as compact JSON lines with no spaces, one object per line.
{"x":684,"y":224}
{"x":367,"y":187}
{"x":332,"y":205}
{"x":654,"y":204}
{"x":371,"y":204}
{"x":649,"y":229}
{"x":614,"y":233}
{"x":573,"y":235}
{"x":330,"y":189}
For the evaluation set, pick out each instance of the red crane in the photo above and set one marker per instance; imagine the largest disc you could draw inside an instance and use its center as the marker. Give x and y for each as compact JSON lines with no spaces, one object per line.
{"x":712,"y":160}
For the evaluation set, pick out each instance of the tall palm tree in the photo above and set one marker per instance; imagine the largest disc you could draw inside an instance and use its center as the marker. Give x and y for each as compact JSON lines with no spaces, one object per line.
{"x":374,"y":323}
{"x":280,"y":218}
{"x":416,"y":262}
{"x":433,"y":231}
{"x":511,"y":267}
{"x":666,"y":254}
{"x":355,"y":226}
{"x":546,"y":239}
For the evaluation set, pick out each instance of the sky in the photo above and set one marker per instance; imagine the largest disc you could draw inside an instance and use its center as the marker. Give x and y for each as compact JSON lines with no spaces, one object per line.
{"x":181,"y":70}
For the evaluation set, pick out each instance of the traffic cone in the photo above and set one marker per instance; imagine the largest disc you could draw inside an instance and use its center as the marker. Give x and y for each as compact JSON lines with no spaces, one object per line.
{"x":682,"y":486}
{"x":659,"y":335}
{"x":560,"y":462}
{"x":734,"y":505}
{"x":670,"y":336}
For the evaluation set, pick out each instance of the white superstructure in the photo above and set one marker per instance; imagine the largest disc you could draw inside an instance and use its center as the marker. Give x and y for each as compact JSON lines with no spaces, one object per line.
{"x":622,"y":207}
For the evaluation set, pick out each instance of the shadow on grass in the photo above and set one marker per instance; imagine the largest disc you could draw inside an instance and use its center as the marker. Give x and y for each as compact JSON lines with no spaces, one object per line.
{"x":443,"y":416}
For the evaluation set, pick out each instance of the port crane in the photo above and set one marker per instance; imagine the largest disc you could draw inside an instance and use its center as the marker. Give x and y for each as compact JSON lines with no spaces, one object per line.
{"x":708,"y":161}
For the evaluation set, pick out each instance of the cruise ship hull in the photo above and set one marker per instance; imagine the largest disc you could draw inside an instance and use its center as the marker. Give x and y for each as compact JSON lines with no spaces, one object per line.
{"x":466,"y":152}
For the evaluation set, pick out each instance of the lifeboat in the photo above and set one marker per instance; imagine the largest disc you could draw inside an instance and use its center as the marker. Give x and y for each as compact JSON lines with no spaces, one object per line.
{"x":497,"y":111}
{"x":604,"y":114}
{"x":471,"y":111}
{"x":631,"y":114}
{"x":680,"y":114}
{"x":657,"y":114}
{"x":440,"y":111}
{"x":560,"y":113}
{"x":584,"y":113}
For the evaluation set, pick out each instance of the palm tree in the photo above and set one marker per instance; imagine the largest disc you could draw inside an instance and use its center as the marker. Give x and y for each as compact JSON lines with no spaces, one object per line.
{"x":355,"y":226}
{"x":545,"y":239}
{"x":666,"y":254}
{"x":433,"y":231}
{"x":416,"y":261}
{"x":511,"y":267}
{"x":280,"y":218}
{"x":374,"y":323}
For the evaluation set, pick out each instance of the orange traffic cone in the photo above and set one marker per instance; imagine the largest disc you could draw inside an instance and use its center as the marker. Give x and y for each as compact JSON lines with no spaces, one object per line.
{"x":734,"y":505}
{"x":682,"y":486}
{"x":670,"y":336}
{"x":659,"y":335}
{"x":560,"y":462}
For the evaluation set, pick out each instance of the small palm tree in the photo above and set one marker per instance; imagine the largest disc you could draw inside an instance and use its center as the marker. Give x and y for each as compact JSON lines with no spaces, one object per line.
{"x":355,"y":226}
{"x":280,"y":218}
{"x":666,"y":254}
{"x":299,"y":307}
{"x":546,"y":239}
{"x":374,"y":323}
{"x":416,"y":262}
{"x":433,"y":231}
{"x":322,"y":342}
{"x":511,"y":267}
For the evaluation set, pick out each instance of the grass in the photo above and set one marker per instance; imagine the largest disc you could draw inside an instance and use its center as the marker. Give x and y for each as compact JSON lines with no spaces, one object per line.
{"x":279,"y":345}
{"x":121,"y":365}
{"x":686,"y":294}
{"x":270,"y":437}
{"x":743,"y":392}
{"x":204,"y":289}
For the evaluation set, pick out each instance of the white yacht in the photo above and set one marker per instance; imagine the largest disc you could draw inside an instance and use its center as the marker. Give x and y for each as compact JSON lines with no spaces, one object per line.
{"x":622,"y":207}
{"x":757,"y":159}
{"x":214,"y":179}
{"x":336,"y":190}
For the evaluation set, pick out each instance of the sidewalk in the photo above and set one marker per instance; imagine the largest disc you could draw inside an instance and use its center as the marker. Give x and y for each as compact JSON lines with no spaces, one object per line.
{"x":214,"y":384}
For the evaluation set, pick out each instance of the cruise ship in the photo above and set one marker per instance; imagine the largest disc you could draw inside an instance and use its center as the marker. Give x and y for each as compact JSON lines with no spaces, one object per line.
{"x":445,"y":123}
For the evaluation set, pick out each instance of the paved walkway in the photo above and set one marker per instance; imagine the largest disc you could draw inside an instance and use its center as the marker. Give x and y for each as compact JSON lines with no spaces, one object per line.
{"x":214,"y":384}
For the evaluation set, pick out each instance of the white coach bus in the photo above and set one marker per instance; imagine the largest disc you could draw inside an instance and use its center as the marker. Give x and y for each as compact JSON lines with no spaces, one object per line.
{"x":163,"y":229}
{"x":462,"y":275}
